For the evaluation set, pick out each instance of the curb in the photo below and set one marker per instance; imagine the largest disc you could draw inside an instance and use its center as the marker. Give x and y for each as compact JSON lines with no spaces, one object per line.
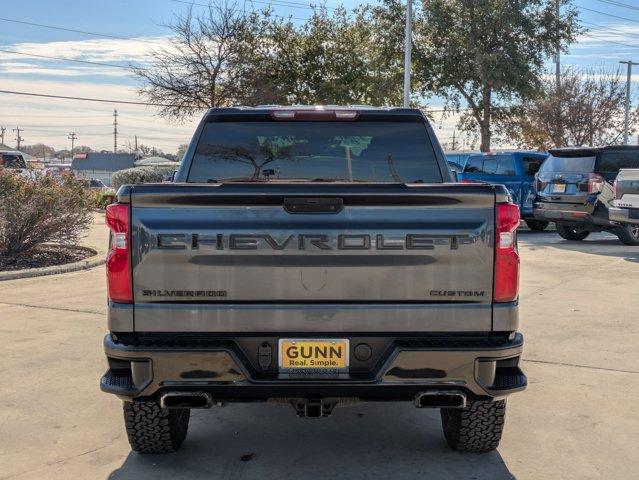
{"x":97,"y":259}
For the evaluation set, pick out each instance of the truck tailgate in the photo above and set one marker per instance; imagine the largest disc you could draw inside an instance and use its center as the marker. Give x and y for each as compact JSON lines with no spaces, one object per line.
{"x":247,"y":257}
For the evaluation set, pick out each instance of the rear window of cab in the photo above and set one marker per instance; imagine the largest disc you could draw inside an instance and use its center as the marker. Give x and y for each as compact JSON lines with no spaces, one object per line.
{"x":611,"y":161}
{"x":359,"y":151}
{"x":490,"y":164}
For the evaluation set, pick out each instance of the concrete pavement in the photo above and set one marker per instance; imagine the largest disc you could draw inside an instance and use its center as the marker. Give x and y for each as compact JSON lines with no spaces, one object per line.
{"x":577,"y":420}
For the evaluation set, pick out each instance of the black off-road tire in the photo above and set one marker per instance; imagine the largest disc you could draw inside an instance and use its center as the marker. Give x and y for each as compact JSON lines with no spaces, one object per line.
{"x":568,"y":232}
{"x":628,"y":234}
{"x":152,"y":429}
{"x":476,"y":428}
{"x":537,"y":225}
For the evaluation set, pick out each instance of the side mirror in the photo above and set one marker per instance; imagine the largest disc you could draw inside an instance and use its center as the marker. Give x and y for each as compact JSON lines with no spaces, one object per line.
{"x":173,"y":175}
{"x":454,"y":175}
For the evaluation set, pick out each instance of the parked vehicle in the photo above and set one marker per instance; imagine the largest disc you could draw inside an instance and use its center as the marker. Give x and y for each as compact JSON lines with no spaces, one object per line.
{"x":94,"y":184}
{"x":574,"y":189}
{"x":457,"y":159}
{"x":13,"y":160}
{"x":317,"y":257}
{"x":625,"y":205}
{"x":515,"y":170}
{"x":455,"y":167}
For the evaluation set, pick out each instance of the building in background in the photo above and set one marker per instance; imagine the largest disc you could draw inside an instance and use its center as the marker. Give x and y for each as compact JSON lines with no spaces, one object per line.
{"x":101,"y":166}
{"x":156,"y":162}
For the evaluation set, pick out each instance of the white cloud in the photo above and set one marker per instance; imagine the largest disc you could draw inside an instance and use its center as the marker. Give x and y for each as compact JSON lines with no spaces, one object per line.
{"x":98,"y":50}
{"x":49,"y":120}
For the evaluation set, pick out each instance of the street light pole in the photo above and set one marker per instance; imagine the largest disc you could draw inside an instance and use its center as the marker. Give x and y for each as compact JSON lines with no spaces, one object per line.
{"x":407,"y":51}
{"x":626,"y":120}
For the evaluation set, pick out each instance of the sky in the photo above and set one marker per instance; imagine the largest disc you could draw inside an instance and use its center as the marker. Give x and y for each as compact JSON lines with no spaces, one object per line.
{"x":120,"y":33}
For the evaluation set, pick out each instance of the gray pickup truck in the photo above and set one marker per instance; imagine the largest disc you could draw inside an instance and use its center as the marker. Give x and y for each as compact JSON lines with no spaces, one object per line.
{"x":313,"y":257}
{"x":625,"y":209}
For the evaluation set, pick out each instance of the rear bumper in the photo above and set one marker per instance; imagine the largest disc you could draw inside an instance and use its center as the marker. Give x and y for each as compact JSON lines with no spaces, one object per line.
{"x":624,"y":215}
{"x":570,"y":213}
{"x":482,"y":366}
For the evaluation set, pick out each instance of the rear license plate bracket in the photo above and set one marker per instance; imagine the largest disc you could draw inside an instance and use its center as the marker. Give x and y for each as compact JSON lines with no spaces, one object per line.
{"x":313,"y":355}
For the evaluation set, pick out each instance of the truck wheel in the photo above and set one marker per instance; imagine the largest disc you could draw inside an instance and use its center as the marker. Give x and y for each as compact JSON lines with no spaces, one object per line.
{"x":476,"y":428}
{"x":628,"y":234}
{"x":152,"y":429}
{"x":572,"y":233}
{"x":537,"y":225}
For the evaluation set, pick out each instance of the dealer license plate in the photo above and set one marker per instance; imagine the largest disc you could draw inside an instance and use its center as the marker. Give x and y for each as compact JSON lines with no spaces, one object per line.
{"x":313,"y":355}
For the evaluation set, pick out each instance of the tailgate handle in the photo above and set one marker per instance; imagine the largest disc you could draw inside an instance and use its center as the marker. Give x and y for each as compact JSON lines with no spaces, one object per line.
{"x":313,"y":205}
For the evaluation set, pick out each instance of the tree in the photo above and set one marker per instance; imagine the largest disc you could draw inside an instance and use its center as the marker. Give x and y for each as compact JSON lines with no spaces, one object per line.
{"x":590,"y":106}
{"x":487,"y":54}
{"x":228,"y":57}
{"x":203,"y":65}
{"x":38,"y":150}
{"x":335,"y":58}
{"x":181,"y":151}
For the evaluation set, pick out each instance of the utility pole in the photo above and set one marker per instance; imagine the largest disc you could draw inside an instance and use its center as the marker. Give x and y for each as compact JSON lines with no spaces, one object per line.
{"x":559,"y":133}
{"x":73,"y":137}
{"x":454,"y":145}
{"x":558,"y":52}
{"x":115,"y":130}
{"x":626,"y":120}
{"x":18,"y":137}
{"x":408,"y":45}
{"x":2,"y":130}
{"x":136,"y":144}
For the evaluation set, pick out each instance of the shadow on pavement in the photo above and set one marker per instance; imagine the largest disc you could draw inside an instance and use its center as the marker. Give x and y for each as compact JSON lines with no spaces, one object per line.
{"x":596,"y":244}
{"x":381,"y":440}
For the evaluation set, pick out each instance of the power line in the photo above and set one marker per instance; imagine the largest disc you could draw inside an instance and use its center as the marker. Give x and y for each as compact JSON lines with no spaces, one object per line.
{"x":52,"y":133}
{"x":130,"y":102}
{"x":619,"y":4}
{"x":278,"y":3}
{"x":607,"y":28}
{"x":50,"y":57}
{"x":610,"y":41}
{"x":84,"y":32}
{"x":609,"y":14}
{"x":90,"y":99}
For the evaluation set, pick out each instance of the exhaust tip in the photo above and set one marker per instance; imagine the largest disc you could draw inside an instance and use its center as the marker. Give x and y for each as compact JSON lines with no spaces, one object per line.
{"x":186,"y":400}
{"x":440,"y":399}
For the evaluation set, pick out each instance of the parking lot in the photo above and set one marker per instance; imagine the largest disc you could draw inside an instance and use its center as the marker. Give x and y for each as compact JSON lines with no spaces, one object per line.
{"x":578,"y":309}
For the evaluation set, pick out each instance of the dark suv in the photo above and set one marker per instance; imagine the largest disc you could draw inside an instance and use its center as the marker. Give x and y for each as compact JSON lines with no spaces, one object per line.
{"x":574,"y":190}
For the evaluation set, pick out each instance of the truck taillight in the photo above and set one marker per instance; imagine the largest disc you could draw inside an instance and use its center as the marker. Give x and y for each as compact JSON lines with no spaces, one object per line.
{"x":595,"y":183}
{"x":614,"y":189}
{"x":118,"y":263}
{"x":506,"y":282}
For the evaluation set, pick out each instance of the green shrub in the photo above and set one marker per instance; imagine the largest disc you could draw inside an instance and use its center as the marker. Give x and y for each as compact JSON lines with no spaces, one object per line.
{"x":100,"y":199}
{"x":37,"y":208}
{"x":135,"y":175}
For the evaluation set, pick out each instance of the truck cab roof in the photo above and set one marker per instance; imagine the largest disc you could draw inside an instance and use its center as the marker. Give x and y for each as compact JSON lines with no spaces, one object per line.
{"x":313,"y":108}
